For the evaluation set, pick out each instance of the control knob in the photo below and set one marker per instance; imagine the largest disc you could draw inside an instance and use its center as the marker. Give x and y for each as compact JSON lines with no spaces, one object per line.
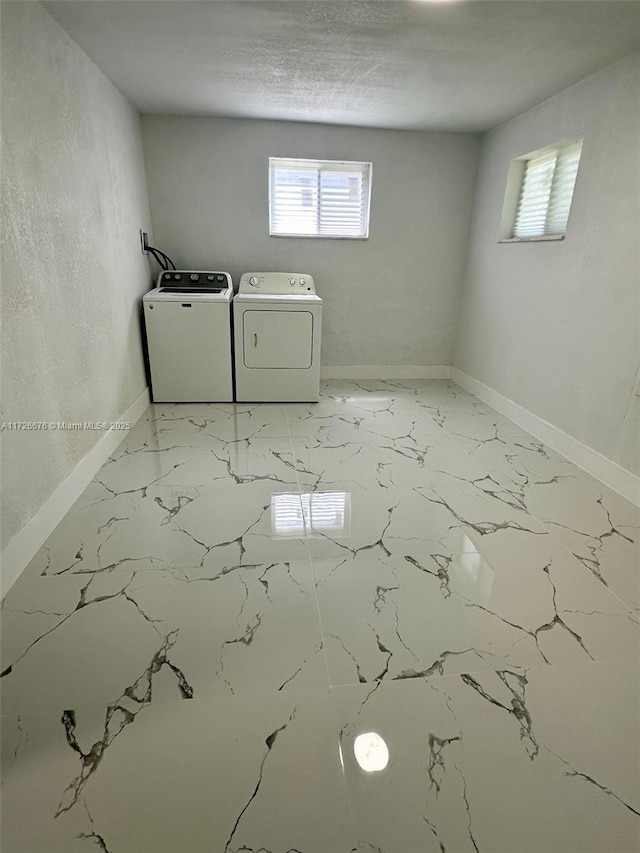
{"x":254,"y":281}
{"x":194,"y":276}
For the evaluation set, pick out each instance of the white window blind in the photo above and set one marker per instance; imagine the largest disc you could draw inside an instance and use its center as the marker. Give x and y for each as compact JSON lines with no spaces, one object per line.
{"x":319,"y":198}
{"x":546,"y":192}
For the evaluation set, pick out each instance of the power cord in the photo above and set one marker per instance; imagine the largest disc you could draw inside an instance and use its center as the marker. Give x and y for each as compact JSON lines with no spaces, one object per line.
{"x":161,"y":258}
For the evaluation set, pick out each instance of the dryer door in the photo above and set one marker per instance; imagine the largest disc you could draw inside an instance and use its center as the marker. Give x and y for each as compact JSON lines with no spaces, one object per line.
{"x":280,"y":339}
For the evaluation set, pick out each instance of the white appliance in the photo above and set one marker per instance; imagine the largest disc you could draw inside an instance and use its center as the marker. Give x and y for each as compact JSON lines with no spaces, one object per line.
{"x":188,"y":324}
{"x":277,"y":319}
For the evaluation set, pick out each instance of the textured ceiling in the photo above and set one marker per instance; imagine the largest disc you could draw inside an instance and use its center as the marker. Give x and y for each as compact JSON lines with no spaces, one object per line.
{"x":378,"y":63}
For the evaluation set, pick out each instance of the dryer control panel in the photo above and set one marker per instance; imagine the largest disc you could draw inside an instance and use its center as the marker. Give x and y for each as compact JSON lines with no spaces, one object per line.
{"x":297,"y":283}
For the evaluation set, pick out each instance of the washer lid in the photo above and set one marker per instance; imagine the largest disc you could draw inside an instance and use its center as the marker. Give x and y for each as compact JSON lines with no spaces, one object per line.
{"x":165,"y":295}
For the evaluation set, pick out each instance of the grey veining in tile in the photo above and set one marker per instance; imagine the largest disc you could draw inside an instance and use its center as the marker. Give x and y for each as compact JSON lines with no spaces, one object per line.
{"x":224,"y":774}
{"x":82,"y":637}
{"x":391,"y":618}
{"x":497,"y":762}
{"x":244,"y":590}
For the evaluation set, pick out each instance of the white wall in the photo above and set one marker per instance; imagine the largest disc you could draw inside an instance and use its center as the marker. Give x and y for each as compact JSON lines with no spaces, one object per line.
{"x":388,"y":300}
{"x":555,"y":326}
{"x":74,"y":197}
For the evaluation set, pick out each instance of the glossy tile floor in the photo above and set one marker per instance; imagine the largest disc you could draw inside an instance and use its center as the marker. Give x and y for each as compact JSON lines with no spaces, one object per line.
{"x":245,"y":591}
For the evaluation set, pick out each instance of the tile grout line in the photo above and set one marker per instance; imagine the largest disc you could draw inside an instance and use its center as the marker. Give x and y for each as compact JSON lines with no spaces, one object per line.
{"x":306,"y":538}
{"x":330,"y":685}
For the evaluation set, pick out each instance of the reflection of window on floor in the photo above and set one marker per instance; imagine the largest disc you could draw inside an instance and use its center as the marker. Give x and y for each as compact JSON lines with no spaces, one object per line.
{"x":286,"y":516}
{"x":327,"y":512}
{"x":317,"y":513}
{"x":475,"y":576}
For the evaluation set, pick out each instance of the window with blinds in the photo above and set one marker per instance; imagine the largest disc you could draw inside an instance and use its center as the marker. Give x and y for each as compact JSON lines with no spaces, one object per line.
{"x":319,"y":198}
{"x":546,"y":192}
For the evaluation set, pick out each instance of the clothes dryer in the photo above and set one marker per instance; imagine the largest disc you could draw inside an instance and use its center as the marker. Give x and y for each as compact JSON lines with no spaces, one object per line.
{"x":277,"y":334}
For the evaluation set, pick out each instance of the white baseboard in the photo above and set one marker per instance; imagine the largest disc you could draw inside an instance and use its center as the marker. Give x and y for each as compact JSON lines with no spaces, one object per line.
{"x":594,"y":463}
{"x":381,"y":371}
{"x":26,"y":543}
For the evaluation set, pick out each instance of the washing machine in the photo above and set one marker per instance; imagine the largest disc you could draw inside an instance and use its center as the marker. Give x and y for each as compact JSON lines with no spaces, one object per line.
{"x":277,"y":320}
{"x":188,"y":325}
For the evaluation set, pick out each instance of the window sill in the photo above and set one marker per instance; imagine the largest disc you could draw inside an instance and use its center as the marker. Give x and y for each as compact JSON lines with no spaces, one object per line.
{"x":321,"y":236}
{"x":544,"y":239}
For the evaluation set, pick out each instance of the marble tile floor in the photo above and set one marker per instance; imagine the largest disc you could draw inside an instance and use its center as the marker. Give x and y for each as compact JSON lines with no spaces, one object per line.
{"x":253,"y":606}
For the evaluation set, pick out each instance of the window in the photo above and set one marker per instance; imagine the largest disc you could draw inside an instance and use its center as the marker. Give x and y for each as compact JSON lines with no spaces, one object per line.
{"x":319,"y":198}
{"x":539,"y":193}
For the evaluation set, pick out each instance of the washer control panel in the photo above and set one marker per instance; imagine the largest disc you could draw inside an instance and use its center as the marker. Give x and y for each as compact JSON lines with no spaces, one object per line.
{"x":175,"y":281}
{"x":277,"y":282}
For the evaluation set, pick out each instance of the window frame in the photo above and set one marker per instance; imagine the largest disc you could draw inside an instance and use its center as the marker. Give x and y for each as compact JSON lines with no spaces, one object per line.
{"x":364,"y":167}
{"x":514,"y":187}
